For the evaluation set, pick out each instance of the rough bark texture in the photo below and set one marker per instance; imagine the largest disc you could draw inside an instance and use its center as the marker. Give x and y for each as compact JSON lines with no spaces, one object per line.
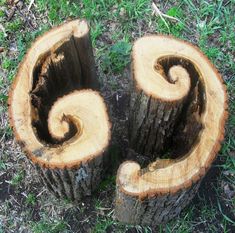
{"x":155,"y":123}
{"x":174,"y":121}
{"x":152,"y":122}
{"x":59,"y":65}
{"x":74,"y":183}
{"x":153,"y":210}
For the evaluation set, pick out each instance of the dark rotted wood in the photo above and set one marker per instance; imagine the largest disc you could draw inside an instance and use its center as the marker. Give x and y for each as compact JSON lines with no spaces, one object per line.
{"x":59,"y":67}
{"x":85,"y":52}
{"x":171,"y":110}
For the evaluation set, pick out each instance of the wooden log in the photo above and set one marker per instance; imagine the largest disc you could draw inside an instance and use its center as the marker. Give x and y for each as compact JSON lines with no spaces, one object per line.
{"x":177,"y":115}
{"x":61,"y":123}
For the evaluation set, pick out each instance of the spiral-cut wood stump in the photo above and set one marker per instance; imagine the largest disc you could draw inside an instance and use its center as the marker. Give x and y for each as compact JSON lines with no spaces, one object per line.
{"x":178,"y":112}
{"x":64,"y":130}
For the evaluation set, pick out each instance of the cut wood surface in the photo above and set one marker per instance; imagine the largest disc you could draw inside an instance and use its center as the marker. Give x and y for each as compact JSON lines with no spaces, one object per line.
{"x":177,"y":116}
{"x":58,"y":118}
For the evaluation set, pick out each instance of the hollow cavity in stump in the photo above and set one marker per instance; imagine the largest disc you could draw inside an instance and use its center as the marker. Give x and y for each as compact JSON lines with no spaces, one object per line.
{"x":168,"y":128}
{"x":177,"y":116}
{"x":58,"y":116}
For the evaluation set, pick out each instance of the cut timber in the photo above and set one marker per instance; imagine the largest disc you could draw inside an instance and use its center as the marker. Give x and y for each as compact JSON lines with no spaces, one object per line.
{"x":177,"y":117}
{"x":59,"y":121}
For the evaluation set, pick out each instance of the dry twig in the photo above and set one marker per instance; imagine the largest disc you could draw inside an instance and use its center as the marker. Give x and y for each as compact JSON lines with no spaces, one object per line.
{"x":162,"y":15}
{"x":30,"y":4}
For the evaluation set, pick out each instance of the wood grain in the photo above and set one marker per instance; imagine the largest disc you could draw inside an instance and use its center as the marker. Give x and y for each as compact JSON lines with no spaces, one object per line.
{"x":177,"y":115}
{"x":53,"y":115}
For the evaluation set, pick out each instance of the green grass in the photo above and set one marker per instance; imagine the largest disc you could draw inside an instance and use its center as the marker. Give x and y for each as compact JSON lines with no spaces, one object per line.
{"x":2,"y":165}
{"x":14,"y":25}
{"x":102,"y":225}
{"x":114,"y":27}
{"x":108,"y":181}
{"x":31,"y":199}
{"x":174,"y":27}
{"x":49,"y":226}
{"x":117,"y":57}
{"x":17,"y":178}
{"x":183,"y":225}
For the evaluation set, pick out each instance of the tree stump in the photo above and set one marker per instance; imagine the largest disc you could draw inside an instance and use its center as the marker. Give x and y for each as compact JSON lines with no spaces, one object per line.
{"x":178,"y":111}
{"x":58,"y":118}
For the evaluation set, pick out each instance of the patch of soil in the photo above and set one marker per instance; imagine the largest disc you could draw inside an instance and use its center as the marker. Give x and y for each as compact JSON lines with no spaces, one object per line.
{"x":84,"y":216}
{"x":207,"y":190}
{"x":5,"y":188}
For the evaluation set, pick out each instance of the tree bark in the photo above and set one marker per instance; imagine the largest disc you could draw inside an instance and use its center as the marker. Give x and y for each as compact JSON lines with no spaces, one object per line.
{"x":53,"y":115}
{"x":151,"y":122}
{"x":152,"y":211}
{"x":178,"y":111}
{"x":74,"y":183}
